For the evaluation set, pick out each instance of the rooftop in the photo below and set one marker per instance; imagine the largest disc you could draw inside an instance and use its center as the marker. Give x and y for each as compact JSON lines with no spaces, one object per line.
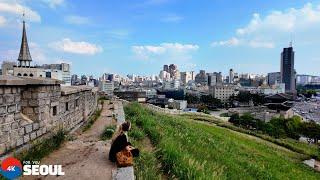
{"x":21,"y":81}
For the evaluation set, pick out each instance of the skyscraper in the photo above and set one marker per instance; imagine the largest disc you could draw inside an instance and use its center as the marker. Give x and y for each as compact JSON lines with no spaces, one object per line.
{"x":274,"y":78}
{"x":231,"y":76}
{"x":287,"y":69}
{"x":166,"y":68}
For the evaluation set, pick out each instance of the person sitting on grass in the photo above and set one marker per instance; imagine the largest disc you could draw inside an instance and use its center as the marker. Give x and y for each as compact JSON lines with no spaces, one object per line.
{"x":120,"y":141}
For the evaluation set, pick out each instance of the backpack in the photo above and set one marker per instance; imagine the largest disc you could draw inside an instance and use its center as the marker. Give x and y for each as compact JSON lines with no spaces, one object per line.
{"x":124,"y":158}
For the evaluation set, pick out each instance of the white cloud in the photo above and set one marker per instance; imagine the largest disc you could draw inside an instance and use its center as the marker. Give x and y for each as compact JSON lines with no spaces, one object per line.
{"x":77,"y":20}
{"x":54,"y":3}
{"x":13,"y":8}
{"x":81,"y":47}
{"x":2,"y":21}
{"x":172,"y":18}
{"x":278,"y":26}
{"x":283,"y":21}
{"x":231,"y":42}
{"x":261,"y":44}
{"x":166,"y":49}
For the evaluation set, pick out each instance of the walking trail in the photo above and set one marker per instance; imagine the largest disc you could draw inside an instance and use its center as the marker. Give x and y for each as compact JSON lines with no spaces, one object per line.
{"x":85,"y":157}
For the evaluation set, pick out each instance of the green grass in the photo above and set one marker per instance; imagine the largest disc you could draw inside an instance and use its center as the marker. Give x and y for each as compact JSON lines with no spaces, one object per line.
{"x":311,"y":150}
{"x":91,"y":120}
{"x":40,"y":149}
{"x":146,"y":166}
{"x":224,"y":115}
{"x":108,"y":132}
{"x":190,"y":150}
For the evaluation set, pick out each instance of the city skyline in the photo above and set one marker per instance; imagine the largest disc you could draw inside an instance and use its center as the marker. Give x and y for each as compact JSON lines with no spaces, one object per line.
{"x":126,"y":43}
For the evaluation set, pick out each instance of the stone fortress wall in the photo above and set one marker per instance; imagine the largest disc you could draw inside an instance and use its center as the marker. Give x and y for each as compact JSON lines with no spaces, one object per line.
{"x":33,"y":107}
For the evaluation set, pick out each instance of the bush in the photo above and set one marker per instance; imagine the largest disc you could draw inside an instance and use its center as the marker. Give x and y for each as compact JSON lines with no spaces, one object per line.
{"x":108,"y":132}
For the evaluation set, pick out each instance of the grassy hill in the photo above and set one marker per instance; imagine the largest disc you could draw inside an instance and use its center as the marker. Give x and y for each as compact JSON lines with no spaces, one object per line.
{"x":187,"y":149}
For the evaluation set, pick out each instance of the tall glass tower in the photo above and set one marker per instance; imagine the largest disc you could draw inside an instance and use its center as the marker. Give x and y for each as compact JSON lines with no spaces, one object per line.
{"x":287,"y":69}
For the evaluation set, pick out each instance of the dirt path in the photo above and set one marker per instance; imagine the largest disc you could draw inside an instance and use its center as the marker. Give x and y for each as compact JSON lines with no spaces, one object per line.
{"x":85,"y":157}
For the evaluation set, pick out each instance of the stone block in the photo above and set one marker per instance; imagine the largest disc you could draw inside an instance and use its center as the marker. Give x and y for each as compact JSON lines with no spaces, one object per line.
{"x":5,"y":128}
{"x":19,"y":141}
{"x":4,"y":138}
{"x":23,"y":122}
{"x":12,"y":108}
{"x":33,"y":135}
{"x":14,"y":125}
{"x":2,"y":148}
{"x":17,"y":98}
{"x":35,"y":126}
{"x":44,"y":130}
{"x":35,"y":95}
{"x":24,"y":103}
{"x":18,"y":107}
{"x":1,"y":100}
{"x":26,"y":138}
{"x":9,"y":118}
{"x":39,"y":133}
{"x":33,"y":103}
{"x":26,"y":95}
{"x":41,"y":123}
{"x":2,"y":119}
{"x":27,"y":110}
{"x":17,"y":116}
{"x":14,"y":90}
{"x":3,"y":110}
{"x":21,"y":131}
{"x":28,"y":128}
{"x":8,"y":98}
{"x":14,"y":135}
{"x":7,"y":90}
{"x":1,"y":90}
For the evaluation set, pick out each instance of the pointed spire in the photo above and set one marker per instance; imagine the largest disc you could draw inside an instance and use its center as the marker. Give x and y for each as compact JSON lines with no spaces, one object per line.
{"x":24,"y":55}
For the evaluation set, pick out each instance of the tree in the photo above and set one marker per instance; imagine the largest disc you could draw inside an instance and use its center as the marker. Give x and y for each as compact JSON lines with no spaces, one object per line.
{"x":192,"y":99}
{"x":203,"y":109}
{"x":293,"y":126}
{"x":210,"y":101}
{"x":311,"y":130}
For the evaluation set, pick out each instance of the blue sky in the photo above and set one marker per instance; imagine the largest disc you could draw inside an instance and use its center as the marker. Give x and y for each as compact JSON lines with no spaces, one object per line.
{"x":139,"y":36}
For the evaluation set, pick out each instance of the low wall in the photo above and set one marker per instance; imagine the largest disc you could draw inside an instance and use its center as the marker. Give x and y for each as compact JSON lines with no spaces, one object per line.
{"x":33,"y":107}
{"x":125,"y":173}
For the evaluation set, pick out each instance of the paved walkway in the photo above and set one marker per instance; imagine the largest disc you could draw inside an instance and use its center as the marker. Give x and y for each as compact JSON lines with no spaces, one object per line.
{"x":86,"y":157}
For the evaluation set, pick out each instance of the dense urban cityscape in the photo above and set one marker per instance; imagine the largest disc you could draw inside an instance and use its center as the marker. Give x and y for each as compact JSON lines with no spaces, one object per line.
{"x":36,"y":99}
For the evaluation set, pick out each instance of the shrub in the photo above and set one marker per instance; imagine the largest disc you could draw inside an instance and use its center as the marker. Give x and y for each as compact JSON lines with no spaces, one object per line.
{"x":108,"y":132}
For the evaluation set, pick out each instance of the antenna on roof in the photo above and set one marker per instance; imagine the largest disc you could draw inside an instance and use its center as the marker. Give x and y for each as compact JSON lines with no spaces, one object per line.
{"x":290,"y":44}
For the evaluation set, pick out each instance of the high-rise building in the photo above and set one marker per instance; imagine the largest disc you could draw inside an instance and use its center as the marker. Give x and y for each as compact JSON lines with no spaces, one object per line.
{"x":186,"y":77}
{"x":212,"y":79}
{"x":106,"y":86}
{"x":202,"y":78}
{"x":166,"y":68}
{"x":7,"y":67}
{"x":274,"y":78}
{"x":231,"y":76}
{"x":164,"y":75}
{"x":222,"y":92}
{"x":172,"y":70}
{"x":287,"y":69}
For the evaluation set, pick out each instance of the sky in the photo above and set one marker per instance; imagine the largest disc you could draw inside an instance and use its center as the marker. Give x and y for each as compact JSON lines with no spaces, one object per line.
{"x":140,"y":36}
